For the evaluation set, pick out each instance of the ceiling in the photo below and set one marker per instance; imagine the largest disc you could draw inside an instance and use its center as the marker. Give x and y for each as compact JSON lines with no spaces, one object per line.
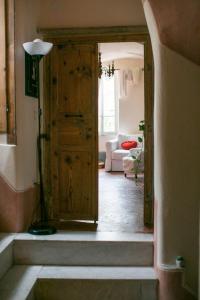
{"x":112,"y":51}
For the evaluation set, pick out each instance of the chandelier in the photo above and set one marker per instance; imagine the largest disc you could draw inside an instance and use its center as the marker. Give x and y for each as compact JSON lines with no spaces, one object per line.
{"x":106,"y":70}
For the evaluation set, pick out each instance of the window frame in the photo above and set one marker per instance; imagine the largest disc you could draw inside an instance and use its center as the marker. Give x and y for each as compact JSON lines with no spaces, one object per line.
{"x":8,"y":91}
{"x":116,"y":116}
{"x":3,"y":104}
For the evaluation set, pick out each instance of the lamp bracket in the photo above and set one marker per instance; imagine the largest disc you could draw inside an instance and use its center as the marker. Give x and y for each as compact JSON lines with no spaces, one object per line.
{"x":45,"y":136}
{"x":31,"y":76}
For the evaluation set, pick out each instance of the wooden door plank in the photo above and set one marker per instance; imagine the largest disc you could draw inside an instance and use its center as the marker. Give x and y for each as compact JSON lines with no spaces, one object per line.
{"x":148,"y":172}
{"x":73,"y":141}
{"x":3,"y":98}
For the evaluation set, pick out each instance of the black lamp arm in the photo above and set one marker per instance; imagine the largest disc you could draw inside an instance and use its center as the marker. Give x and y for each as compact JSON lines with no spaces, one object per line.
{"x":45,"y":136}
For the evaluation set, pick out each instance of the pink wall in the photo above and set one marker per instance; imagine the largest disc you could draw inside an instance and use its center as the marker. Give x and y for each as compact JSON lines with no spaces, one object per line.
{"x":176,"y":167}
{"x":179,"y":26}
{"x":16,"y":208}
{"x":170,"y":286}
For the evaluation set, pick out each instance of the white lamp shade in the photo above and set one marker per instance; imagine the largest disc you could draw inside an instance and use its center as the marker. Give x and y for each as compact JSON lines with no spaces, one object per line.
{"x":37,"y":47}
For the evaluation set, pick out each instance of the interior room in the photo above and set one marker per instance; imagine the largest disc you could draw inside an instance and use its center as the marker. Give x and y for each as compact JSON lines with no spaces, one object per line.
{"x":49,"y":155}
{"x":120,"y":115}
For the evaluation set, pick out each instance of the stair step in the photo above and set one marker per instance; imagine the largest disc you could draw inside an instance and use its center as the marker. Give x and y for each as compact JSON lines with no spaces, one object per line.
{"x":78,"y":283}
{"x":6,"y":252}
{"x":97,"y":273}
{"x":18,"y":282}
{"x":99,"y":283}
{"x":81,"y":249}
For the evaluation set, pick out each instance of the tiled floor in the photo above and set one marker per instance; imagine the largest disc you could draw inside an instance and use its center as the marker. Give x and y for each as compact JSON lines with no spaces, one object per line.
{"x":120,"y":203}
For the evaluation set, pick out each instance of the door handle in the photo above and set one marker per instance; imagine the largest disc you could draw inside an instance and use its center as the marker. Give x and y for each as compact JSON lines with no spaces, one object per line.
{"x":73,"y":115}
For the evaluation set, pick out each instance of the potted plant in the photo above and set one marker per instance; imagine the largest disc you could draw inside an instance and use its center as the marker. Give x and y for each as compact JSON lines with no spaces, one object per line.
{"x":138,"y":156}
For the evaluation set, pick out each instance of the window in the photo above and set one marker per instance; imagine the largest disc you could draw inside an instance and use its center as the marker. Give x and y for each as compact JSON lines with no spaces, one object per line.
{"x":7,"y":82}
{"x":108,"y":108}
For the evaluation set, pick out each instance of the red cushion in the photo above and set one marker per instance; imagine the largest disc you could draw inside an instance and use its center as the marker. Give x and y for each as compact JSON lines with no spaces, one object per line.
{"x":127,"y":145}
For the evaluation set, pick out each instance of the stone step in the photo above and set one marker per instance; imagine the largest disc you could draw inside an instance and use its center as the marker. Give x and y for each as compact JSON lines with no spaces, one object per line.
{"x":6,"y":252}
{"x":18,"y":283}
{"x":85,"y":248}
{"x":99,"y":283}
{"x":78,"y":283}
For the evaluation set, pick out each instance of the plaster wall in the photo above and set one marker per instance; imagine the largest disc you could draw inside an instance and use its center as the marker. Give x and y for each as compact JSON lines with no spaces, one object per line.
{"x":178,"y":26}
{"x":176,"y":157}
{"x":18,"y":163}
{"x":3,"y":139}
{"x":66,"y":13}
{"x":26,"y":19}
{"x":131,"y":107}
{"x":8,"y":166}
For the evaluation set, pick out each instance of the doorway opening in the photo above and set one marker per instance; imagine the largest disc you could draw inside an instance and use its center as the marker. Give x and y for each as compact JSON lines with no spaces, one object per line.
{"x":71,"y":121}
{"x":121,"y":119}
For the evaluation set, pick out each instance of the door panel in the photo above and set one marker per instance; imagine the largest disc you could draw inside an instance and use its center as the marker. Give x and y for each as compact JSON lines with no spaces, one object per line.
{"x":75,"y":65}
{"x":73,"y":131}
{"x":75,"y":175}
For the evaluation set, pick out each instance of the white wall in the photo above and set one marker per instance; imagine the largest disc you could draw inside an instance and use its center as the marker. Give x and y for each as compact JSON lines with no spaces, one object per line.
{"x":26,"y":18}
{"x":131,"y":107}
{"x":8,"y":168}
{"x":3,"y":139}
{"x":18,"y":164}
{"x":176,"y":155}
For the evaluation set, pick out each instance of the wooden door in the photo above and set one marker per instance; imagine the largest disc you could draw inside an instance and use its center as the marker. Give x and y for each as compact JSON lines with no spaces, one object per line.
{"x":70,"y":88}
{"x":73,"y":139}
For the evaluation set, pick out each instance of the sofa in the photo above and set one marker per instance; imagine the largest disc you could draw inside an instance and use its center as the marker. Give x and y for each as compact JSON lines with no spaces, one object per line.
{"x":115,"y":153}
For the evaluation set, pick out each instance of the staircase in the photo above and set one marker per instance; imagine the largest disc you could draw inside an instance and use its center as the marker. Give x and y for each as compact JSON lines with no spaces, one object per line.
{"x":77,"y":266}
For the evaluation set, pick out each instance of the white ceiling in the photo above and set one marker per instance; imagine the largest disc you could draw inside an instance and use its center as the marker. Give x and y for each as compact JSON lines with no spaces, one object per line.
{"x":112,"y":51}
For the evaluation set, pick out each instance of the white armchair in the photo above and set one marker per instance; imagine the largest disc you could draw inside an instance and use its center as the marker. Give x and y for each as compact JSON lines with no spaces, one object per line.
{"x":115,"y":153}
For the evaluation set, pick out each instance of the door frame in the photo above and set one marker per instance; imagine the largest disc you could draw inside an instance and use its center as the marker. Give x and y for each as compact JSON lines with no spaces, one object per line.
{"x":102,"y":35}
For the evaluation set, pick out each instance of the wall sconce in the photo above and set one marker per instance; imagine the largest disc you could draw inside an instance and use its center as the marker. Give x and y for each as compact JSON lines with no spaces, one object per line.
{"x":34,"y":51}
